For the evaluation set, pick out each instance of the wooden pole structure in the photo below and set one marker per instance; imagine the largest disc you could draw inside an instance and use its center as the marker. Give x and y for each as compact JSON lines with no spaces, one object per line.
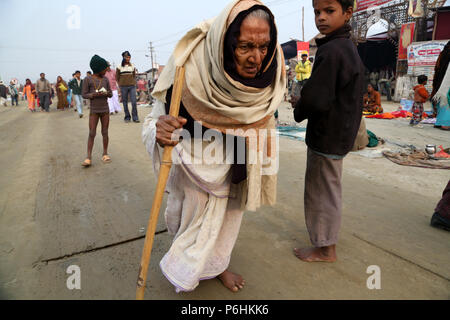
{"x":160,"y":188}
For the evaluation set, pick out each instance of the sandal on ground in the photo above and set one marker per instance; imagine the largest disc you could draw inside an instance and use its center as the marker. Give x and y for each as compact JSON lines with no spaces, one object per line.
{"x":86,"y":163}
{"x":106,"y":159}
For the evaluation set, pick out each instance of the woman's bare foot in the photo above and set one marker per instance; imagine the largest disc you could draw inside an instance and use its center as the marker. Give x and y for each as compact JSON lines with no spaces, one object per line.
{"x":323,"y":254}
{"x":231,"y":280}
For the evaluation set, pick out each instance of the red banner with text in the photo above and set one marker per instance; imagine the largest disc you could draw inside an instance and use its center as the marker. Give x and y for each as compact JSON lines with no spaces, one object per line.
{"x":365,"y":4}
{"x":406,"y":38}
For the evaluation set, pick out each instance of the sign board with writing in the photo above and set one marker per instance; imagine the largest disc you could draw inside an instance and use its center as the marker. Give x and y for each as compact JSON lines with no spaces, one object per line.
{"x":422,"y":57}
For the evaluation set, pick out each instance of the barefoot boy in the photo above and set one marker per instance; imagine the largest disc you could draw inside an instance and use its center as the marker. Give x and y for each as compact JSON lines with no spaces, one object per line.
{"x":420,"y":96}
{"x":331,"y":100}
{"x":96,"y":88}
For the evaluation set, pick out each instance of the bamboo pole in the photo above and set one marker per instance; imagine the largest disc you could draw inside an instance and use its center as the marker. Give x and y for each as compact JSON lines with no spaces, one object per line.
{"x":160,"y":187}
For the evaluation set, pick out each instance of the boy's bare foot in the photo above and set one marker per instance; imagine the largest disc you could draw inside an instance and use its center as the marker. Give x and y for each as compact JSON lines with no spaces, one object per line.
{"x":323,"y":254}
{"x":231,"y":280}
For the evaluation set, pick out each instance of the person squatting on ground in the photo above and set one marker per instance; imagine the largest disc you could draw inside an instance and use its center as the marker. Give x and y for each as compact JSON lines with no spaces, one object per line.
{"x":420,"y":96}
{"x":331,"y":100}
{"x":76,"y":84}
{"x":372,"y":101}
{"x":235,"y":79}
{"x":126,"y":78}
{"x":96,"y":88}
{"x":113,"y":102}
{"x":44,"y":91}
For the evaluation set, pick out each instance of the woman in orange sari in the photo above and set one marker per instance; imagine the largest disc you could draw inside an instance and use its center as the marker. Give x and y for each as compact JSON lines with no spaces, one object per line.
{"x":61,"y":90}
{"x":30,"y":92}
{"x":372,"y":101}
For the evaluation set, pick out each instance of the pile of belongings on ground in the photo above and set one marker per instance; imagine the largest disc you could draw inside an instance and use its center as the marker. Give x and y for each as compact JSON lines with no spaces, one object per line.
{"x":392,"y":115}
{"x":419,"y":158}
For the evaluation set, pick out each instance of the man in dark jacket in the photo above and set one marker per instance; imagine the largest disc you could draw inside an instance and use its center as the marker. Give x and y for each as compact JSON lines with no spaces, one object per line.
{"x":331,"y":100}
{"x":76,"y":84}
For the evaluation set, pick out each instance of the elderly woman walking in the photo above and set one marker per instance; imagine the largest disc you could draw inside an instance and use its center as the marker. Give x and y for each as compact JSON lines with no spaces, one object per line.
{"x":61,"y":91}
{"x":235,"y":79}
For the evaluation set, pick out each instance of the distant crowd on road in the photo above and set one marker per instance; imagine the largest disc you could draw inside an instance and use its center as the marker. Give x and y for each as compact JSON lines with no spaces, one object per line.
{"x":124,"y":81}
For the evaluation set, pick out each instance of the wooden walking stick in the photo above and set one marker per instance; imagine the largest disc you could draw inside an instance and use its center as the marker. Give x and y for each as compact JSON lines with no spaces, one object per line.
{"x":160,"y":187}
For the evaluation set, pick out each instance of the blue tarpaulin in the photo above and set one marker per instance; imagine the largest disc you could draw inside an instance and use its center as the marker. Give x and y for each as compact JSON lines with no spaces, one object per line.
{"x":292,"y":132}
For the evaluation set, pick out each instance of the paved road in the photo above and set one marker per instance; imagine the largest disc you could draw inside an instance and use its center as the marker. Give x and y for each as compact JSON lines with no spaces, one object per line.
{"x":54,"y":214}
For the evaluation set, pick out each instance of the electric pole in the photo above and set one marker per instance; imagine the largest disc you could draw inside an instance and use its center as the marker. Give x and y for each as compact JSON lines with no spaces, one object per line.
{"x":303,"y":24}
{"x":150,"y":82}
{"x":151,"y":57}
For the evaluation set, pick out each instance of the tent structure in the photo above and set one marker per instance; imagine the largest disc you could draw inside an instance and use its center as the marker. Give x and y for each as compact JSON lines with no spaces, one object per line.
{"x":289,"y":49}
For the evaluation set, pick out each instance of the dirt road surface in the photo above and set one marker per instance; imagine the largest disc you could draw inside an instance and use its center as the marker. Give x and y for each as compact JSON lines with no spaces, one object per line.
{"x":55,"y":214}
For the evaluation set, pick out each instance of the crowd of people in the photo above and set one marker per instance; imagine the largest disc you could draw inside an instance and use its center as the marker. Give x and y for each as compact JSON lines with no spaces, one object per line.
{"x":233,"y":58}
{"x":40,"y":95}
{"x":382,"y":81}
{"x":100,"y":91}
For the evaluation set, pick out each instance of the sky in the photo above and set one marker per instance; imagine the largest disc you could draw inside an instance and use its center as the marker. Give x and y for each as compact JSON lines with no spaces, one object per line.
{"x":58,"y":37}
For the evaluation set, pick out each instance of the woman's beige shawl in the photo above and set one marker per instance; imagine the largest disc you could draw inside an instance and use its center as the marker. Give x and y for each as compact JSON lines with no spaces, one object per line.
{"x":211,"y":96}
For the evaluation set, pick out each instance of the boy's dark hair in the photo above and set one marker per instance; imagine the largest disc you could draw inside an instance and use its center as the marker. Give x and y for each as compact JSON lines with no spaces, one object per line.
{"x":422,"y":79}
{"x":78,"y":71}
{"x":89,"y":72}
{"x":125,"y":53}
{"x":345,"y":4}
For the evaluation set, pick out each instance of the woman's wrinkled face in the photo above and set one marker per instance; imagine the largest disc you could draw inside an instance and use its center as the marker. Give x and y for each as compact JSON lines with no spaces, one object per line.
{"x":252,"y":46}
{"x":330,"y":16}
